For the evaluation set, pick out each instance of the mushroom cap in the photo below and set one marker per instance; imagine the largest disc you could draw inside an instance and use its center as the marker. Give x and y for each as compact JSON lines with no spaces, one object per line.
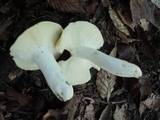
{"x":80,"y":33}
{"x":77,"y":34}
{"x":77,"y":70}
{"x":42,"y":34}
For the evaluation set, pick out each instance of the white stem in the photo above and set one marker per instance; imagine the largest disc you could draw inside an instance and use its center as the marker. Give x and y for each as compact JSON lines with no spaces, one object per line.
{"x":53,"y":74}
{"x":113,"y":65}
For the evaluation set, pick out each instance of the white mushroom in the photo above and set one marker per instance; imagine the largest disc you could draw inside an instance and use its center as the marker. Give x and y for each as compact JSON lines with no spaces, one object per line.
{"x":82,"y":39}
{"x":34,"y":49}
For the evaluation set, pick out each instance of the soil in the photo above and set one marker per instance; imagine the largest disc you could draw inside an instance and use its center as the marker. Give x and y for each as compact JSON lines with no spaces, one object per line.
{"x":25,"y":95}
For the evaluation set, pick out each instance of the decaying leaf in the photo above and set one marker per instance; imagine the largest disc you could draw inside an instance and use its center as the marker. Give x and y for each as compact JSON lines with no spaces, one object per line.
{"x":20,"y":98}
{"x":105,"y":81}
{"x":156,"y":2}
{"x":144,"y":9}
{"x":144,"y":24}
{"x":74,"y":6}
{"x":124,"y":12}
{"x":124,"y":37}
{"x":106,"y":113}
{"x":144,"y":44}
{"x":71,"y":108}
{"x":89,"y":111}
{"x":145,"y":88}
{"x":117,"y":22}
{"x":153,"y":102}
{"x":127,"y":51}
{"x":52,"y":113}
{"x":15,"y":73}
{"x":120,"y":113}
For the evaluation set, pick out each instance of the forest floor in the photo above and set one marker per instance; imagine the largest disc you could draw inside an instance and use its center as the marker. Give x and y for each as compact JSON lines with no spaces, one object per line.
{"x":129,"y":26}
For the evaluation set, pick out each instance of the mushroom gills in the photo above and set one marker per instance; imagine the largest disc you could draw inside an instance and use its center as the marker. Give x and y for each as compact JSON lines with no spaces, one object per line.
{"x":53,"y":74}
{"x":113,"y":65}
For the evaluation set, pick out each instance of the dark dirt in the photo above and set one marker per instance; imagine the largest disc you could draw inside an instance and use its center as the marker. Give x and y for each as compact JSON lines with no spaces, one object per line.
{"x":24,"y":95}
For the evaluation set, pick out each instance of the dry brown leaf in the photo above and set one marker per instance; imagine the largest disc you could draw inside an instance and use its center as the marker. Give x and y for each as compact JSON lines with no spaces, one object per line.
{"x":145,"y":88}
{"x":124,"y":12}
{"x":156,"y":2}
{"x":22,"y":99}
{"x":89,"y":111}
{"x":15,"y":73}
{"x":144,"y":45}
{"x":117,"y":22}
{"x":105,"y":81}
{"x":106,"y":113}
{"x":74,"y":6}
{"x":153,"y":102}
{"x":52,"y":113}
{"x":71,"y":108}
{"x":124,"y":37}
{"x":144,"y":9}
{"x":120,"y":113}
{"x":144,"y":24}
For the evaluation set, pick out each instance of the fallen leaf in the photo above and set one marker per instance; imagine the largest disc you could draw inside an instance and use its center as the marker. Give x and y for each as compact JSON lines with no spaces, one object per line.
{"x":106,"y":113}
{"x":89,"y":111}
{"x":126,"y":51}
{"x":120,"y":113}
{"x":124,"y":12}
{"x":22,"y":99}
{"x":144,"y":24}
{"x":91,"y":7}
{"x":144,"y":9}
{"x":72,"y":106}
{"x":74,"y":6}
{"x":117,"y":21}
{"x":156,"y":2}
{"x":152,"y":102}
{"x":84,"y":113}
{"x":15,"y":73}
{"x":130,"y":84}
{"x":52,"y":114}
{"x":124,"y":37}
{"x":144,"y":45}
{"x":145,"y":88}
{"x":105,"y":81}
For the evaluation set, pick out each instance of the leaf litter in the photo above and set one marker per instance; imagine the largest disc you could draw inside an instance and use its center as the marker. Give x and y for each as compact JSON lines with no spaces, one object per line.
{"x":132,"y":26}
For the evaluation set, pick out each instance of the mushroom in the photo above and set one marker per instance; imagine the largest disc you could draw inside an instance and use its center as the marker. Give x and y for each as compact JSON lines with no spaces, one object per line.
{"x":82,"y":39}
{"x":34,"y":49}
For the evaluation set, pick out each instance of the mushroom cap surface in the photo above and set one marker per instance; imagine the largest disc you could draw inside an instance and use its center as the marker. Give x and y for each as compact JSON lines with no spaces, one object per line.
{"x":42,"y":34}
{"x":77,"y":70}
{"x":80,"y":33}
{"x":77,"y":34}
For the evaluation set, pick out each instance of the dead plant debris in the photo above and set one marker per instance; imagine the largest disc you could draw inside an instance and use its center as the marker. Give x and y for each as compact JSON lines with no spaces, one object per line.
{"x":131,"y":26}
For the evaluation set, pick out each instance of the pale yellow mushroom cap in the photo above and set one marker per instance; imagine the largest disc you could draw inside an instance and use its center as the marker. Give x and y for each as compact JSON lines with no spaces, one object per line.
{"x":80,"y":33}
{"x":43,"y":34}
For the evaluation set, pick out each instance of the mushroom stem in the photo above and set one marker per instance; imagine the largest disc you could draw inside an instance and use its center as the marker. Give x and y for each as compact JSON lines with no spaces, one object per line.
{"x":53,"y":74}
{"x":113,"y":65}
